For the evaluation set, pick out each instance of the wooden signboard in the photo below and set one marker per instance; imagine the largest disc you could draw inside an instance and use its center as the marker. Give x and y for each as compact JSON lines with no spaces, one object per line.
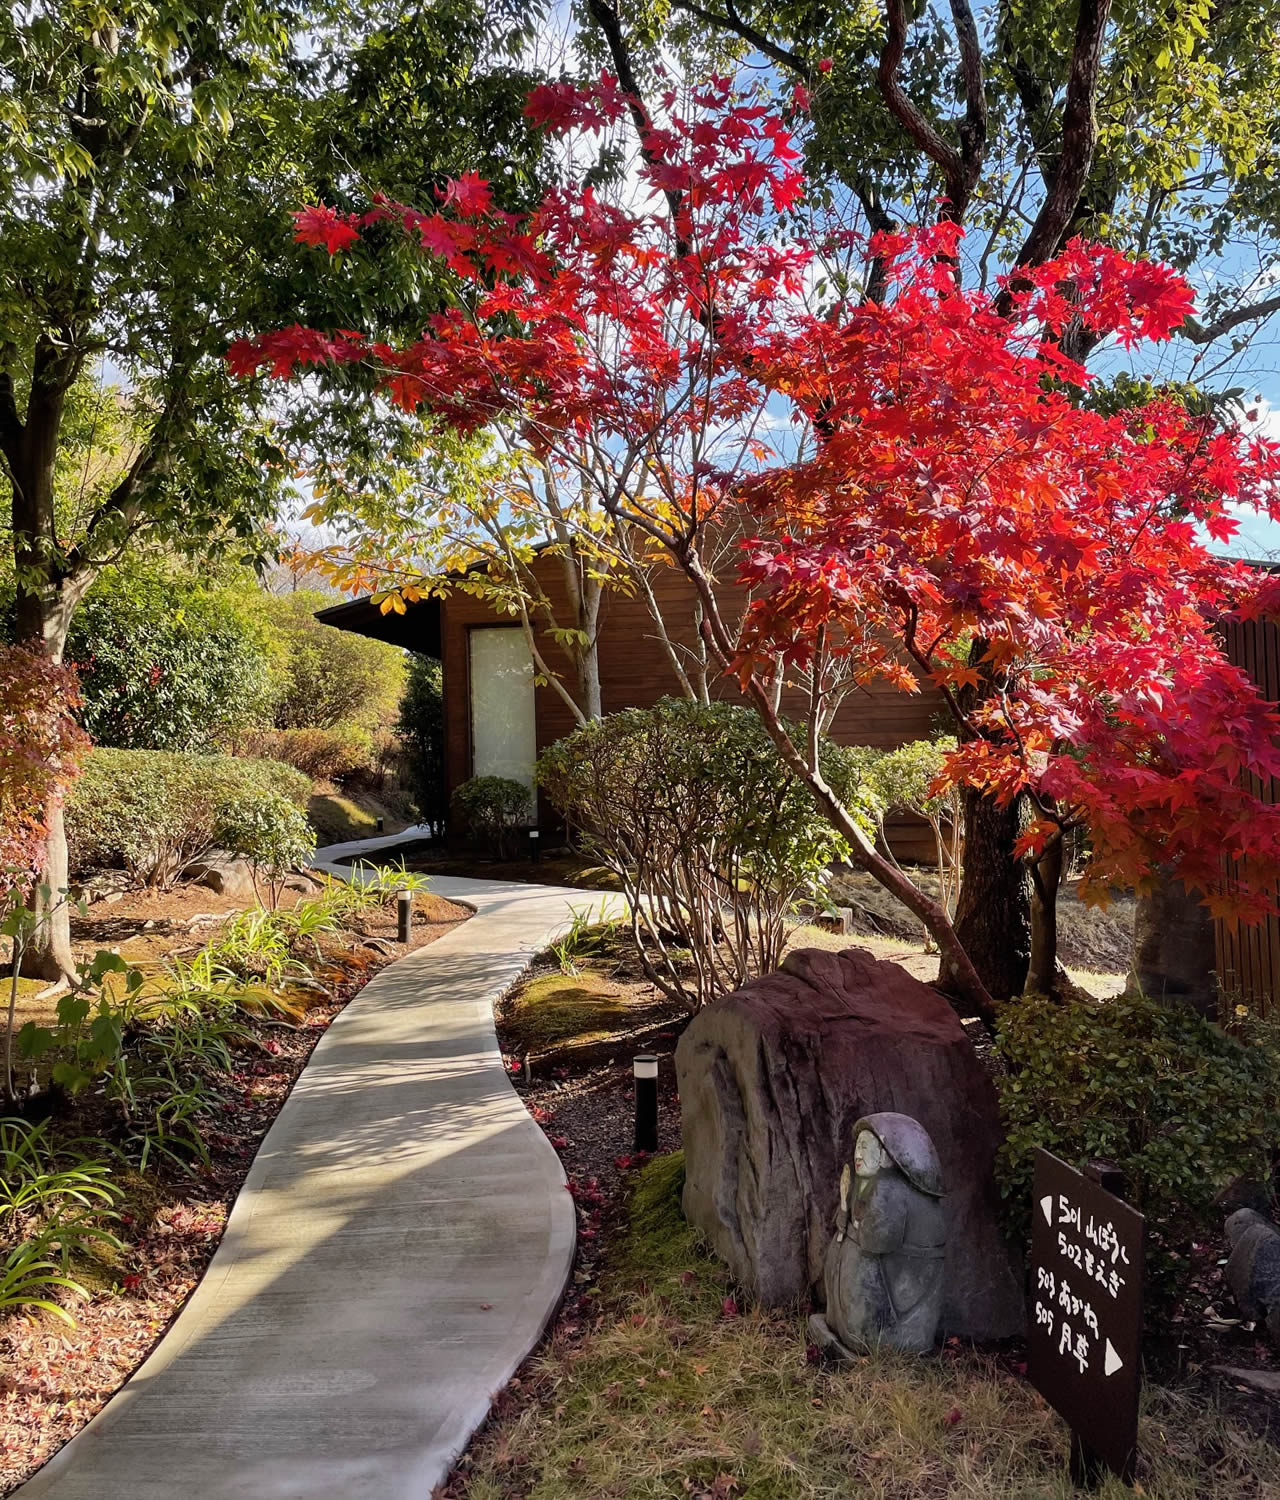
{"x":1084,"y":1342}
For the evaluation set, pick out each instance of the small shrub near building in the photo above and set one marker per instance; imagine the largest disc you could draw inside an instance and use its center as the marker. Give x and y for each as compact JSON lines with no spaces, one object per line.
{"x":711,"y":836}
{"x":491,"y":809}
{"x":154,"y":814}
{"x":1177,"y":1104}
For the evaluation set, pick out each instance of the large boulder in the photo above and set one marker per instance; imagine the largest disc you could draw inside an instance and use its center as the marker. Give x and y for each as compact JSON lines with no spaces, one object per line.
{"x":772,"y":1079}
{"x":226,"y":874}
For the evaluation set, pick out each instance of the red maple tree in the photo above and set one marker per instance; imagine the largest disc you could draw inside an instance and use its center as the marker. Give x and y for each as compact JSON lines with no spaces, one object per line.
{"x":951,"y":507}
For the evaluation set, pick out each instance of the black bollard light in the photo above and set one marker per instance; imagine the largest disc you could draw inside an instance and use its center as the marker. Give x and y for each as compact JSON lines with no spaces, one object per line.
{"x":645,"y":1068}
{"x":380,"y":824}
{"x":404,"y":914}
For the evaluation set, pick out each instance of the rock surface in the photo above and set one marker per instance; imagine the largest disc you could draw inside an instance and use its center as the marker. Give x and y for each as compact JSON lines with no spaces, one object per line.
{"x":1173,"y":947}
{"x":772,"y":1079}
{"x":226,"y":875}
{"x":1253,"y":1267}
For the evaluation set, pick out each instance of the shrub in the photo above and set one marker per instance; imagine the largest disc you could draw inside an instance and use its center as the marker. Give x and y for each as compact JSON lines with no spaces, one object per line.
{"x":421,"y":730}
{"x":491,"y":807}
{"x":901,"y":781}
{"x":41,"y":747}
{"x":325,"y":754}
{"x":711,"y":836}
{"x":155,"y":814}
{"x":1180,"y":1107}
{"x":328,"y":677}
{"x":269,"y":831}
{"x":166,"y":664}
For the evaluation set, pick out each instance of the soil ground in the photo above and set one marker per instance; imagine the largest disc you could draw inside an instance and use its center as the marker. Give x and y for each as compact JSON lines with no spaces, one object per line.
{"x":53,"y":1378}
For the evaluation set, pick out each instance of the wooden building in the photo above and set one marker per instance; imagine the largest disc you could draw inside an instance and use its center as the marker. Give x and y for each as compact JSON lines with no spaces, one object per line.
{"x":498,"y":720}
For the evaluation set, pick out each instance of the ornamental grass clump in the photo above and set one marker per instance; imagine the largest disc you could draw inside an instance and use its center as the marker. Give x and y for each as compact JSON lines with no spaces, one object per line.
{"x":711,"y":836}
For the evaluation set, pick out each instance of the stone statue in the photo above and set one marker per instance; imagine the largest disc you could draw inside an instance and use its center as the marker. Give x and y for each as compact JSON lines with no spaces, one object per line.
{"x":884,"y":1266}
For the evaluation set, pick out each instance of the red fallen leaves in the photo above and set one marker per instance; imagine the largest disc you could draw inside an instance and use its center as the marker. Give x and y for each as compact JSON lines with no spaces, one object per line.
{"x":963,"y":512}
{"x":952,"y":1417}
{"x":729,"y":1308}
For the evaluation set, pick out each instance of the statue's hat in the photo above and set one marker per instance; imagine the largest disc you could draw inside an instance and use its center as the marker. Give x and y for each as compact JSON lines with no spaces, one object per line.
{"x":907,"y":1142}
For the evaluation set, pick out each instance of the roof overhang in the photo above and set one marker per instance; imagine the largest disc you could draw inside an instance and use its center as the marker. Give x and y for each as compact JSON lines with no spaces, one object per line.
{"x":417,"y":629}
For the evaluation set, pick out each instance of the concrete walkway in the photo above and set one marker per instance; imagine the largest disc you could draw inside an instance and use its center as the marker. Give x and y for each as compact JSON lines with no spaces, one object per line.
{"x":401,"y":1241}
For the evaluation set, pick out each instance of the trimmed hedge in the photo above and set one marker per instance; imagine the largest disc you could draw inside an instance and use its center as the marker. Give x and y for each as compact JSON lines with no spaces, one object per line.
{"x":155,"y":813}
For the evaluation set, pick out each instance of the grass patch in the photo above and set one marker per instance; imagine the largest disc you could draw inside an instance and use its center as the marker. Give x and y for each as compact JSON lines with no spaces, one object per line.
{"x":337,"y":818}
{"x":556,"y":1010}
{"x":677,"y":1394}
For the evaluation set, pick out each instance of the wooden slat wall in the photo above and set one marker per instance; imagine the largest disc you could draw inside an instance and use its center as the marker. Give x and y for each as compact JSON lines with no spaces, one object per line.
{"x":1248,"y":958}
{"x":635,"y":672}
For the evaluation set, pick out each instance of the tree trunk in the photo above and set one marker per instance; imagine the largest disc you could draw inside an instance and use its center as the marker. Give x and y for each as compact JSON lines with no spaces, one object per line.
{"x":993,"y":913}
{"x":47,"y":597}
{"x":1046,"y":879}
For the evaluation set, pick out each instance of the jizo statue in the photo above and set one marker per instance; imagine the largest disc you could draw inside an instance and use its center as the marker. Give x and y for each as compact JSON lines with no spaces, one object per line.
{"x":884,"y":1266}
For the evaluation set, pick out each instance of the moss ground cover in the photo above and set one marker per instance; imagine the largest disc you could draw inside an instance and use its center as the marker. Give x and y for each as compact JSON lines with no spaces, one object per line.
{"x":677,"y":1389}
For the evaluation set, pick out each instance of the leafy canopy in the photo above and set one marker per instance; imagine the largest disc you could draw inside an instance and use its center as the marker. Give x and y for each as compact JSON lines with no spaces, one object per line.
{"x":945,"y":483}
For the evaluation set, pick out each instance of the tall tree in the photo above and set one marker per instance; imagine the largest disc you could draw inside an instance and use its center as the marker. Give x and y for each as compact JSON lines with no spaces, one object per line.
{"x":954,"y":489}
{"x":1148,"y":127}
{"x":151,"y":158}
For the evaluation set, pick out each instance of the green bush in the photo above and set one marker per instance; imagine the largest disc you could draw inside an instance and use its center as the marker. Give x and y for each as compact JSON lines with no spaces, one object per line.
{"x":1180,"y":1107}
{"x":421,"y":730}
{"x":166,"y":664}
{"x":710,"y":834}
{"x":491,"y":808}
{"x":327,"y":677}
{"x":154,"y":814}
{"x":270,"y":832}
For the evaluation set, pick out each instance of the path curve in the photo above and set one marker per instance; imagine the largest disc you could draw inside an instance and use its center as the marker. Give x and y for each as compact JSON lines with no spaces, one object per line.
{"x":402,"y":1239}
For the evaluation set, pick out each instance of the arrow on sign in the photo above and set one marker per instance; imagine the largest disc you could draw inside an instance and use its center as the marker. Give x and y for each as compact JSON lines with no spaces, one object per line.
{"x":1046,"y":1208}
{"x":1111,"y":1361}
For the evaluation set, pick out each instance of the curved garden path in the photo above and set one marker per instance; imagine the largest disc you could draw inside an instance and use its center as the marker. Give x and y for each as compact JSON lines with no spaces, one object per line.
{"x":401,"y":1240}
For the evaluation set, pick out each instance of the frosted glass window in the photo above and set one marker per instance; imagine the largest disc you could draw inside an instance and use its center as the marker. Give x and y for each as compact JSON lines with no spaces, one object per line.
{"x":503,"y":728}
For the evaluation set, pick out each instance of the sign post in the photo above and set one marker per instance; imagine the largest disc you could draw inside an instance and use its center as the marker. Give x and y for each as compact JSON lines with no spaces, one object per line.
{"x":1085,"y":1342}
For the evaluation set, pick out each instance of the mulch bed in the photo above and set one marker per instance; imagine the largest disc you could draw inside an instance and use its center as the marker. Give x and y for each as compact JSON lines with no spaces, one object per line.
{"x":53,"y":1379}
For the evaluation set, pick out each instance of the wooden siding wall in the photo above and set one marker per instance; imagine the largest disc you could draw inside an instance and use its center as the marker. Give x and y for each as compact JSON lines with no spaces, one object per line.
{"x":635,"y":672}
{"x":1248,"y":958}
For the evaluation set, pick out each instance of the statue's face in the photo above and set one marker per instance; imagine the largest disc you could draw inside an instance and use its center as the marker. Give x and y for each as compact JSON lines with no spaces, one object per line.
{"x":868,"y":1154}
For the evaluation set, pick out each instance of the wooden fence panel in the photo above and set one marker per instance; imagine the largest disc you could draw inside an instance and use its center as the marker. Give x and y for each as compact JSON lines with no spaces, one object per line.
{"x":1248,"y":958}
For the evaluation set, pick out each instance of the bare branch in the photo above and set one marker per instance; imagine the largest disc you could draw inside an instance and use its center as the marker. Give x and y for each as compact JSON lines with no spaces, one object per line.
{"x":1247,"y":312}
{"x":733,"y":22}
{"x":960,"y":168}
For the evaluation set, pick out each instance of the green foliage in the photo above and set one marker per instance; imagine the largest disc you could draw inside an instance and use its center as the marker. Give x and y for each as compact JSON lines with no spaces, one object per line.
{"x":29,"y":1276}
{"x":490,"y":808}
{"x":329,"y":679}
{"x":154,"y":814}
{"x":421,"y":730}
{"x":586,"y":933}
{"x":270,"y":832}
{"x":709,"y":832}
{"x":902,"y":781}
{"x":151,"y":159}
{"x":166,"y":664}
{"x":1180,"y":1107}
